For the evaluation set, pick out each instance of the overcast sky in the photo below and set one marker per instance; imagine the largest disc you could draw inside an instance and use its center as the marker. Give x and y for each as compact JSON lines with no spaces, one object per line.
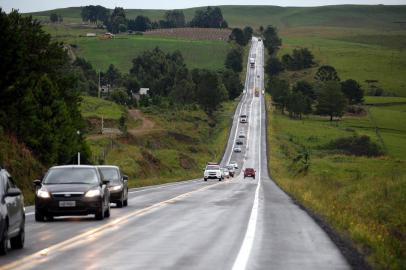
{"x":38,"y":5}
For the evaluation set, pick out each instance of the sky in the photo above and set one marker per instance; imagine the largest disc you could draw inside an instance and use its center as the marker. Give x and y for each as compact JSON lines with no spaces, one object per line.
{"x":39,"y":5}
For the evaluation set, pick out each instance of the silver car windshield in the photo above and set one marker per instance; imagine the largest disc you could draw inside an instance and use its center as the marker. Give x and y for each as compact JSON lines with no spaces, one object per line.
{"x":212,"y":167}
{"x":71,"y":176}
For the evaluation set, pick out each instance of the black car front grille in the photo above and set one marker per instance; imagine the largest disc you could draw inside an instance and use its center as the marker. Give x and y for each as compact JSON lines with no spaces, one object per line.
{"x":67,"y":195}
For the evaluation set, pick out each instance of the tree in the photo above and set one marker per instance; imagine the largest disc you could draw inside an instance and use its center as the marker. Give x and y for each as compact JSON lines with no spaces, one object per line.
{"x":208,"y":18}
{"x":53,"y":17}
{"x":273,"y":66}
{"x":331,"y":100}
{"x":353,"y":91}
{"x":326,"y":73}
{"x":248,"y":31}
{"x":94,"y":14}
{"x":238,"y":36}
{"x":300,"y":59}
{"x":112,"y":76}
{"x":119,"y":96}
{"x":234,"y":60}
{"x":140,"y":23}
{"x":279,"y":90}
{"x":297,"y":104}
{"x":116,"y":19}
{"x":232,"y":82}
{"x":271,"y":39}
{"x":305,"y":88}
{"x":184,"y":92}
{"x":39,"y":103}
{"x":175,"y":18}
{"x":210,"y":90}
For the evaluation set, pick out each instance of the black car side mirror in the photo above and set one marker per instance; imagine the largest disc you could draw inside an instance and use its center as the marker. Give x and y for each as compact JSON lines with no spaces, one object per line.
{"x":106,"y":182}
{"x":13,"y":192}
{"x":37,"y":182}
{"x":125,"y":177}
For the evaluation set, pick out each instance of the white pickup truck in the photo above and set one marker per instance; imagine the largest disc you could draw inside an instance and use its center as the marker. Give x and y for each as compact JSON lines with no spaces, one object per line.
{"x":213,"y":171}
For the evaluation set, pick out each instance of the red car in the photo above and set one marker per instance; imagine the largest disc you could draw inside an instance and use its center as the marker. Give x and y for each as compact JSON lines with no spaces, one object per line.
{"x":249,"y":172}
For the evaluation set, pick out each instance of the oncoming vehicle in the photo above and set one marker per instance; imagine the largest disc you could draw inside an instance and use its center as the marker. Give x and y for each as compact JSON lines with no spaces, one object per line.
{"x":225,"y":173}
{"x":241,"y":134}
{"x":72,"y":190}
{"x":12,"y":214}
{"x":256,"y":93}
{"x":243,"y":118}
{"x":213,"y":171}
{"x":118,"y":185}
{"x":252,"y":62}
{"x":231,"y":170}
{"x":249,"y":172}
{"x":237,"y":149}
{"x":239,"y":142}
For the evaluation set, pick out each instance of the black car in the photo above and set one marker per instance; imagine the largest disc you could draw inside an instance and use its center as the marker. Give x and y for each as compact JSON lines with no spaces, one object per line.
{"x":72,"y":190}
{"x":118,"y":184}
{"x":12,"y":214}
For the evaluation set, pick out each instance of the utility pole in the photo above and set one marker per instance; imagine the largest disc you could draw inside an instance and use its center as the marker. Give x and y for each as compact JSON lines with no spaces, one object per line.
{"x":99,"y":86}
{"x":78,"y":132}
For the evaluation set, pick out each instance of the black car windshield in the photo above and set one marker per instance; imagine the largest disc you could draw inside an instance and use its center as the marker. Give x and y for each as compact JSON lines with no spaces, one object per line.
{"x":71,"y":176}
{"x":110,"y":174}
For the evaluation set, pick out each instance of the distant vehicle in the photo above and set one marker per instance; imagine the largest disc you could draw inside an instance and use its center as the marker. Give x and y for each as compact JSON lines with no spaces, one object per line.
{"x":118,"y":185}
{"x":239,"y":142}
{"x":237,"y":149}
{"x":243,"y":118}
{"x":256,"y":93}
{"x":233,"y":163}
{"x":225,"y":172}
{"x":249,"y":172}
{"x":12,"y":214}
{"x":259,"y":39}
{"x":241,"y":134}
{"x":231,"y":170}
{"x":252,"y":62}
{"x":72,"y":190}
{"x":213,"y":172}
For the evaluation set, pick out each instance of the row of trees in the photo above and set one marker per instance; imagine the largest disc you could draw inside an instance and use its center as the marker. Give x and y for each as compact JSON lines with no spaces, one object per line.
{"x":241,"y":36}
{"x":55,"y":18}
{"x":39,"y":103}
{"x":325,"y":97}
{"x":117,"y":22}
{"x":298,"y":60}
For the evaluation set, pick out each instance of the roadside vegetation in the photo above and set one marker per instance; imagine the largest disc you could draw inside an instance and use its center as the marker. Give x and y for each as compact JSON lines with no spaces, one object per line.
{"x":336,"y":151}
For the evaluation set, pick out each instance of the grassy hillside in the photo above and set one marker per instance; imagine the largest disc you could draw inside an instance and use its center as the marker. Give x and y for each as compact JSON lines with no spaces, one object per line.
{"x":174,"y":145}
{"x":362,"y":198}
{"x":360,"y":16}
{"x":121,"y":50}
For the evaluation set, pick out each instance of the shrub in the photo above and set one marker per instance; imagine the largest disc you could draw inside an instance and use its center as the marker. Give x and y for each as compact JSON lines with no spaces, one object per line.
{"x":356,"y":145}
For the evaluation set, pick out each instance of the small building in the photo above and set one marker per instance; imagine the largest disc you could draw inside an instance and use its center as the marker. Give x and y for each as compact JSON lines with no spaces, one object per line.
{"x":141,"y":92}
{"x":105,"y":90}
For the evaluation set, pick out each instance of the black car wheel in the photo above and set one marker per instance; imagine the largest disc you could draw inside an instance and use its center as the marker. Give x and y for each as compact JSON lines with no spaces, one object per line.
{"x":100,"y":213}
{"x":39,"y":216}
{"x":4,"y":241}
{"x":17,"y":242}
{"x":205,"y":179}
{"x":125,"y":203}
{"x":120,"y":203}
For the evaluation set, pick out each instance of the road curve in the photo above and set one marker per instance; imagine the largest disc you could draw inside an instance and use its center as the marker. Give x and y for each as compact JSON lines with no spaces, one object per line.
{"x":235,"y":224}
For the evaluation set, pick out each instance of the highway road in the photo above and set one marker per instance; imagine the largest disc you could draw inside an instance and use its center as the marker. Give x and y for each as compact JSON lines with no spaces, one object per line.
{"x":234,"y":224}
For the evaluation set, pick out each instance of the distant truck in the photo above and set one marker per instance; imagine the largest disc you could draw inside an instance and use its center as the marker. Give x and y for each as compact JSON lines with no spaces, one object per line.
{"x":243,"y":118}
{"x":252,"y":62}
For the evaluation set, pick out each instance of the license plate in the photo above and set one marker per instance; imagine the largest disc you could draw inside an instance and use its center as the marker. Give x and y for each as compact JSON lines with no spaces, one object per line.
{"x":67,"y":204}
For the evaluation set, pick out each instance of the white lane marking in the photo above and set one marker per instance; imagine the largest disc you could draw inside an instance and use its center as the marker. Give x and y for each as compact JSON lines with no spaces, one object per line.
{"x":241,"y":261}
{"x":29,"y":213}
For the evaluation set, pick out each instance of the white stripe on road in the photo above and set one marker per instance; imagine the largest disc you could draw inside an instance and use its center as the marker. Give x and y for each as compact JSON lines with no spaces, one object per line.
{"x":243,"y":255}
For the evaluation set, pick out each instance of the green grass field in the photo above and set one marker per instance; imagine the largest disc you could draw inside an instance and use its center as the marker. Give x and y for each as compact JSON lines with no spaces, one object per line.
{"x":98,"y":108}
{"x":359,"y":61}
{"x":121,"y":50}
{"x":362,"y":198}
{"x":377,"y":16}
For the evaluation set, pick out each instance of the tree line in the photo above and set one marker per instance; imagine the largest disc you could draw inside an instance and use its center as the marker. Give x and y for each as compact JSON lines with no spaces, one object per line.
{"x":39,"y":101}
{"x":116,"y":21}
{"x":326,"y":95}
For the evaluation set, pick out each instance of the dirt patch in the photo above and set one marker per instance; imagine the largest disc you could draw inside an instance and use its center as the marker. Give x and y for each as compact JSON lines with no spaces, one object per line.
{"x":147,"y":125}
{"x":192,"y":33}
{"x":186,"y":162}
{"x":182,"y":137}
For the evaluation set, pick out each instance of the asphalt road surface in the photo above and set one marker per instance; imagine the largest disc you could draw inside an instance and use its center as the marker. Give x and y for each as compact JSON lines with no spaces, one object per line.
{"x":234,"y":224}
